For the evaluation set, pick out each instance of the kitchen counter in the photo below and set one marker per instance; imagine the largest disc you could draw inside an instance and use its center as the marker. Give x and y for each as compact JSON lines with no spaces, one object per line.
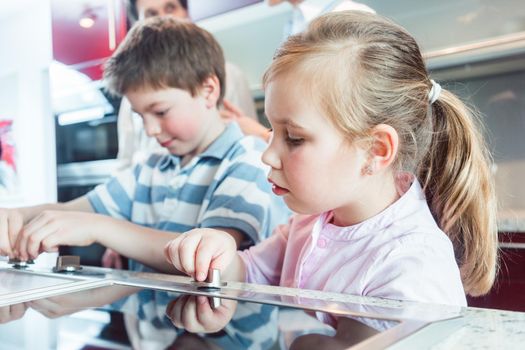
{"x":483,"y":328}
{"x":488,"y":329}
{"x":476,"y":329}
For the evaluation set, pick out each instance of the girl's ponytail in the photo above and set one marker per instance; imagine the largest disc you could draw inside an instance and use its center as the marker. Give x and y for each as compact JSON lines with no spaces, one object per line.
{"x":459,"y":188}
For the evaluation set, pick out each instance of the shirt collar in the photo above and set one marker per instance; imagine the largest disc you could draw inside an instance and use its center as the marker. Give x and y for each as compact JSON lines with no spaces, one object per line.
{"x":407,"y":204}
{"x":217,"y":149}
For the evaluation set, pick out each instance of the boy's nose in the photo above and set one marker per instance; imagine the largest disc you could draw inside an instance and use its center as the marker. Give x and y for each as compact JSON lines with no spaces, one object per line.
{"x":151,"y":127}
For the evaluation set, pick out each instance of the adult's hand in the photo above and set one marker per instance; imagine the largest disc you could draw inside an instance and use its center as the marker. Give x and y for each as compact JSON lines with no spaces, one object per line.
{"x":249,"y":126}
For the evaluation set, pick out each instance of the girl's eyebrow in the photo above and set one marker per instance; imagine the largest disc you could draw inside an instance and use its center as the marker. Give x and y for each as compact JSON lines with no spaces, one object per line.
{"x":289,"y":123}
{"x":292,"y":124}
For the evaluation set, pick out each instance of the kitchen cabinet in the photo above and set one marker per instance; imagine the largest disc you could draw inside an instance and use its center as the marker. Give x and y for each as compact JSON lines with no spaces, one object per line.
{"x":507,"y":293}
{"x":86,"y":32}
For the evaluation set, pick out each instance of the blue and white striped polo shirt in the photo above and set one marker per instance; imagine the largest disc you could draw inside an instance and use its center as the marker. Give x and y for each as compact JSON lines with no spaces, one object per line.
{"x":225,"y":186}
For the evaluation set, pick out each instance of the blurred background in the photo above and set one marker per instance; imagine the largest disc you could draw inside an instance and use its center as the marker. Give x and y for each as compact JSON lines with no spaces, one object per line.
{"x":58,"y":126}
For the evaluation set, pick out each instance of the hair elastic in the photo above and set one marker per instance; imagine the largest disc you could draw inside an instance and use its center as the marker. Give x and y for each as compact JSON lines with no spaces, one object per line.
{"x":434,"y":93}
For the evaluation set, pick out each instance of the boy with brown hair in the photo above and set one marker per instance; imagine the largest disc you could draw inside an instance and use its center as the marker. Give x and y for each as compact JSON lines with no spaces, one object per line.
{"x":172,"y":72}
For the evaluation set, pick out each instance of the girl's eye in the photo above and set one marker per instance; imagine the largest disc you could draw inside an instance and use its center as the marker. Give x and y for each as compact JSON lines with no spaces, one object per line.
{"x":294,"y":141}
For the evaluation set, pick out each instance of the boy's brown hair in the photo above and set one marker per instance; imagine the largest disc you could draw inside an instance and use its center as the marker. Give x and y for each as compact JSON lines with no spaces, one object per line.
{"x":165,"y":52}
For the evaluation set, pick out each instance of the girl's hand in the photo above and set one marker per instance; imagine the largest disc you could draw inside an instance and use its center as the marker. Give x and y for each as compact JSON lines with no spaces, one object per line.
{"x":11,"y":223}
{"x":195,"y":314}
{"x":198,"y":250}
{"x":52,"y":228}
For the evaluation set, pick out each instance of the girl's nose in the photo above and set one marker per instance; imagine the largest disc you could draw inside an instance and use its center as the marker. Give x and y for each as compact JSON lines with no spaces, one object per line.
{"x":270,"y":156}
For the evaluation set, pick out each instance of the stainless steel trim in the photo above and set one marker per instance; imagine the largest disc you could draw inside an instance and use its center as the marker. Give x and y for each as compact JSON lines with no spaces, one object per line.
{"x":46,"y":292}
{"x":483,"y":51}
{"x":511,"y":245}
{"x":480,"y":45}
{"x":86,"y":173}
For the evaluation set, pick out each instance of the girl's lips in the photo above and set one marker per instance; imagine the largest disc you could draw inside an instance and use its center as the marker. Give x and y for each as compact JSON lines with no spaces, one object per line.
{"x":277,"y":189}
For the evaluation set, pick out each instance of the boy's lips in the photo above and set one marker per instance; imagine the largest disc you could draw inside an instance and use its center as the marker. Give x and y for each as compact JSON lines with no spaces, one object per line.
{"x":278,"y":190}
{"x":165,"y":143}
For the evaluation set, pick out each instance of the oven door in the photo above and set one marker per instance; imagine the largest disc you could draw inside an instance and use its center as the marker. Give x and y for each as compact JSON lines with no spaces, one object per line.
{"x":87,"y":141}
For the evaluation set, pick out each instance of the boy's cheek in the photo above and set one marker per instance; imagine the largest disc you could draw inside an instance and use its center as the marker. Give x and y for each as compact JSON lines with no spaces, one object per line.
{"x":185,"y":130}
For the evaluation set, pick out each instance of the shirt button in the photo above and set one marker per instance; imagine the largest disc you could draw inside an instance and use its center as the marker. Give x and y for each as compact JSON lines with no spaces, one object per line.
{"x":176,"y":182}
{"x":321,"y":243}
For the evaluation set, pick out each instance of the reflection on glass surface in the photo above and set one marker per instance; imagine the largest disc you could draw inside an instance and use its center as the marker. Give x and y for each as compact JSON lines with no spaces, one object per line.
{"x":75,"y":320}
{"x":167,"y":311}
{"x":12,"y":282}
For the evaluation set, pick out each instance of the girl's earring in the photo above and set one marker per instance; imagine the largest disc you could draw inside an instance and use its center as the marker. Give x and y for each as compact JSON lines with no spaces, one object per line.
{"x":368,"y":170}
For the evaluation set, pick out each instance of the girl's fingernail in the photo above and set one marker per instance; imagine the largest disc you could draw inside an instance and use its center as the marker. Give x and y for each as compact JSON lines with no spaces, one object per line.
{"x":201,"y":276}
{"x":201,"y":300}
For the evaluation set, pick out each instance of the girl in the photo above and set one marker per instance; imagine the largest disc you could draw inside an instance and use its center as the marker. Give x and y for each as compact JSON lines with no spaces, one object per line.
{"x":387,"y":171}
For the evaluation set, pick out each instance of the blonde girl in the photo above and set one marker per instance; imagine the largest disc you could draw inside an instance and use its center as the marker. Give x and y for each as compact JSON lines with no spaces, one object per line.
{"x":387,"y":171}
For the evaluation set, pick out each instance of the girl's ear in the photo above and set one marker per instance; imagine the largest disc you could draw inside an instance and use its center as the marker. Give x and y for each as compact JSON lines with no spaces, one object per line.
{"x":384,"y":147}
{"x":211,"y":90}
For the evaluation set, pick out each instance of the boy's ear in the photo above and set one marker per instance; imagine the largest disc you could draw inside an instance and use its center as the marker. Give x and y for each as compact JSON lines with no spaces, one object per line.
{"x":211,"y":90}
{"x":384,"y":147}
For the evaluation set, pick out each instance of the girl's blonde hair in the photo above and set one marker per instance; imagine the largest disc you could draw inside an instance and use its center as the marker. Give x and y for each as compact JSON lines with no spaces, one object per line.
{"x":362,"y":70}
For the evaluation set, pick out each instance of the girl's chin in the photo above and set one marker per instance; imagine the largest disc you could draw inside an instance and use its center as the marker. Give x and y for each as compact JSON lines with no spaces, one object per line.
{"x":301,"y":208}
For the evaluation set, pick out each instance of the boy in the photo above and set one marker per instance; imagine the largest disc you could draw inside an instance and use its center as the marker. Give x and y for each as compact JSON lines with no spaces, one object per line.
{"x":172,"y":72}
{"x":134,"y":145}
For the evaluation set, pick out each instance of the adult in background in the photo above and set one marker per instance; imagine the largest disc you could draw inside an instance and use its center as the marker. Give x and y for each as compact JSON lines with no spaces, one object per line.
{"x":305,"y":11}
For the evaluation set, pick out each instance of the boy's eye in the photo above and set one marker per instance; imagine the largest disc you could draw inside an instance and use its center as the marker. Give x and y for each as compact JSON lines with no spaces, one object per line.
{"x":161,"y":113}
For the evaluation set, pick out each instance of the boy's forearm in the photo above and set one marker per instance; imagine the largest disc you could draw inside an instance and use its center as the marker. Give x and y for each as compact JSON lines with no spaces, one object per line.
{"x":143,"y":244}
{"x":79,"y":204}
{"x":146,"y":245}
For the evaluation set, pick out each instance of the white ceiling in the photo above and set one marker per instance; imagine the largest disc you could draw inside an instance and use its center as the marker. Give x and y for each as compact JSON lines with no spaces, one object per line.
{"x":10,"y":7}
{"x":249,"y":36}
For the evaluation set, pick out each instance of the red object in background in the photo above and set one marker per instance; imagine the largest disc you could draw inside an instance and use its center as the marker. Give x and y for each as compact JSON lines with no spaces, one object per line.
{"x":8,"y":147}
{"x":508,"y":291}
{"x":87,"y":48}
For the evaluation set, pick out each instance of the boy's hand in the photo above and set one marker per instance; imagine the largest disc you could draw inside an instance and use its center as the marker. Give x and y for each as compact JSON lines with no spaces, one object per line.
{"x":12,"y":312}
{"x":11,"y":223}
{"x":112,"y":259}
{"x":198,"y":250}
{"x":195,"y":314}
{"x":52,"y":228}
